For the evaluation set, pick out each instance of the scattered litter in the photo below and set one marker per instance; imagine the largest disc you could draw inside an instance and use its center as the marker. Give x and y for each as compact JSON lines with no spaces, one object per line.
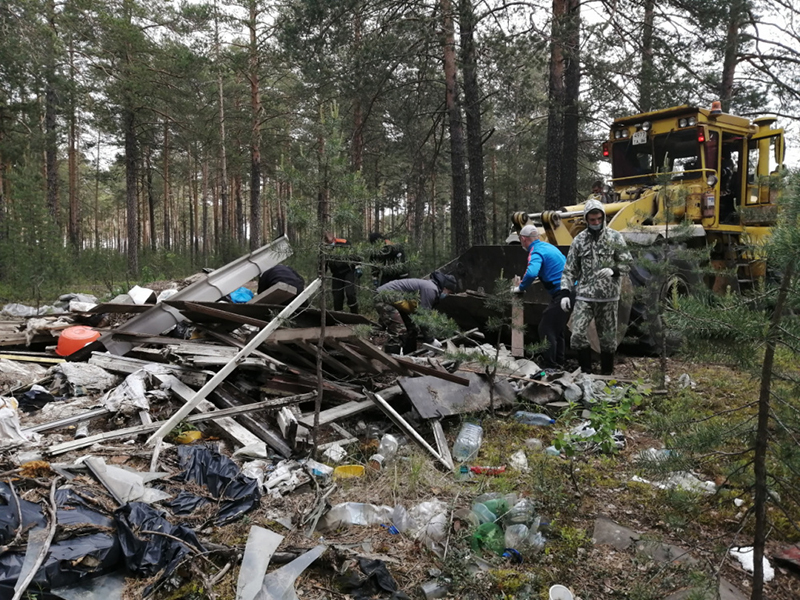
{"x":745,"y":557}
{"x":519,"y":461}
{"x":682,"y":481}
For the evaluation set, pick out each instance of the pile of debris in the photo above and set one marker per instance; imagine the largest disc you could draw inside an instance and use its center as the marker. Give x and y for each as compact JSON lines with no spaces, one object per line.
{"x":218,"y":405}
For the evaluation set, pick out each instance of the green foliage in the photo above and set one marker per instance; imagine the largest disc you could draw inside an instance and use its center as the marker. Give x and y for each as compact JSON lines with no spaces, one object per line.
{"x":605,"y":417}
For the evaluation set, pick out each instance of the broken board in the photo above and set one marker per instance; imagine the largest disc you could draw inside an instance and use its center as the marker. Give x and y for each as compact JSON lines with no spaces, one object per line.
{"x":434,"y":398}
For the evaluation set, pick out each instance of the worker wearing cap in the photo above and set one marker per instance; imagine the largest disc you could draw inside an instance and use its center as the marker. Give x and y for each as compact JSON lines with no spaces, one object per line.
{"x":597,"y":260}
{"x":397,"y":300}
{"x":546,"y":263}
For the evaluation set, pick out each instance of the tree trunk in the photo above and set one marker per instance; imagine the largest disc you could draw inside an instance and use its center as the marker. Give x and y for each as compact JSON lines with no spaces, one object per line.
{"x":74,"y":227}
{"x":50,"y":102}
{"x":762,"y":437}
{"x":472,"y":108}
{"x":459,"y":210}
{"x":97,"y":196}
{"x":167,"y":190}
{"x":357,"y":149}
{"x":131,"y":178}
{"x":647,"y":72}
{"x":239,"y":205}
{"x":223,"y":240}
{"x":572,"y":81}
{"x":151,"y":197}
{"x":736,"y":17}
{"x":555,"y":115}
{"x":255,"y":133}
{"x":204,"y":175}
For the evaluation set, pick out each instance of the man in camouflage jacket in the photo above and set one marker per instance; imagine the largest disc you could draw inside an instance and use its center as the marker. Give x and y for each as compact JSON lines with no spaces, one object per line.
{"x":597,"y":260}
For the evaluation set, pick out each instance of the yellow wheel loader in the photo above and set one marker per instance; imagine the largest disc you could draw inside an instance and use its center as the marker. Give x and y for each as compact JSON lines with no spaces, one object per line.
{"x":709,"y":178}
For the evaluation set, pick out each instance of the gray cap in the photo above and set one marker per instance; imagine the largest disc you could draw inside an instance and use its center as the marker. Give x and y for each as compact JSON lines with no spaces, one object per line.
{"x":529,"y":231}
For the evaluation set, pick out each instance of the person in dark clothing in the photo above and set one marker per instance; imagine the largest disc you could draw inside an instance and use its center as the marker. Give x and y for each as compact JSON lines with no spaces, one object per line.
{"x":281,"y":274}
{"x":388,"y":260}
{"x":345,"y":270}
{"x":397,"y":300}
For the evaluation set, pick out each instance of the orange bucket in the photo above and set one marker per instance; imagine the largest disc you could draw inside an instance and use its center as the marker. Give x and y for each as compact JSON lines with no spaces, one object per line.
{"x":73,"y":339}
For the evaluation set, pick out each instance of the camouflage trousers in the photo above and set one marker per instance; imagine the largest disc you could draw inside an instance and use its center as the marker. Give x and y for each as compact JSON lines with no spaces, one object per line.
{"x":402,"y":330}
{"x":605,"y":321}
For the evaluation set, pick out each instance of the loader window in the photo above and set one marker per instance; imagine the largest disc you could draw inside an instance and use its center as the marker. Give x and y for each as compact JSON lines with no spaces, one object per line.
{"x":639,"y":163}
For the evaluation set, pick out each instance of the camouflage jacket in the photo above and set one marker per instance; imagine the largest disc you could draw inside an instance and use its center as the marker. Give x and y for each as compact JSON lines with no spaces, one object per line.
{"x":588,"y":254}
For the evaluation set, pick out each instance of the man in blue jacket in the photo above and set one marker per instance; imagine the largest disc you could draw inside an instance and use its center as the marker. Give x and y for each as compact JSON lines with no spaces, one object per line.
{"x":546,"y":262}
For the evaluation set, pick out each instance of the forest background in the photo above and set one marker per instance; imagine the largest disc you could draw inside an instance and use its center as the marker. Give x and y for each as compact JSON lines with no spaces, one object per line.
{"x":145,"y":139}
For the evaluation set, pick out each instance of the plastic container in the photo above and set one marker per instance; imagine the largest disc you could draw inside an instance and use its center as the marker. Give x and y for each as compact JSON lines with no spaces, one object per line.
{"x":434,"y":589}
{"x":489,"y":537}
{"x":484,"y":514}
{"x":516,"y":536}
{"x":522,"y":513}
{"x":386,"y":452}
{"x":468,"y":442}
{"x":529,"y":418}
{"x":348,"y":471}
{"x":73,"y":339}
{"x":319,"y":470}
{"x":559,"y":592}
{"x":499,"y":506}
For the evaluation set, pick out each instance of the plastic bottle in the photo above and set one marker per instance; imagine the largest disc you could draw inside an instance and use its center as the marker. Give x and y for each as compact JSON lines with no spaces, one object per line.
{"x":522,"y":513}
{"x":468,"y":442}
{"x":386,"y":451}
{"x":529,"y":418}
{"x":516,"y":536}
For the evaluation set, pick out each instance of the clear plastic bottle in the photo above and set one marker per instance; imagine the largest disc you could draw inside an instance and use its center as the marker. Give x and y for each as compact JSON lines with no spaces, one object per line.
{"x":521,"y":513}
{"x":386,"y":452}
{"x":468,"y":442}
{"x":516,"y":536}
{"x":529,"y":418}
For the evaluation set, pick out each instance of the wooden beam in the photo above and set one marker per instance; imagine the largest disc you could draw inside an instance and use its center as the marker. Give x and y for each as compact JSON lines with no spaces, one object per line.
{"x":425,"y":370}
{"x":229,"y":368}
{"x":211,"y":416}
{"x":326,"y":358}
{"x":406,"y":428}
{"x":277,"y":294}
{"x":379,"y":355}
{"x":222,"y":315}
{"x":311,"y":334}
{"x":353,"y":356}
{"x":342,"y":411}
{"x":517,"y":329}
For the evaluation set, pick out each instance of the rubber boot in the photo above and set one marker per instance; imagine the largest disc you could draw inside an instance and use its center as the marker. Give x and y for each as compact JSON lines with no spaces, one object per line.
{"x":607,"y":363}
{"x":585,"y":359}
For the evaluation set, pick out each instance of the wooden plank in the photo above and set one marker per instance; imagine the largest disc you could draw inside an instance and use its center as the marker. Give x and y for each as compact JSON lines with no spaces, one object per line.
{"x":235,"y":431}
{"x":86,"y":416}
{"x":222,"y":315}
{"x":342,"y":411}
{"x":406,"y":428}
{"x":34,"y":359}
{"x":277,"y":294}
{"x":441,"y":440}
{"x":517,"y":329}
{"x":230,"y":340}
{"x":354,"y":356}
{"x":311,"y":334}
{"x":379,"y":355}
{"x":425,"y":370}
{"x":117,"y":308}
{"x":225,"y":396}
{"x":326,"y":358}
{"x":199,"y":418}
{"x":229,"y":368}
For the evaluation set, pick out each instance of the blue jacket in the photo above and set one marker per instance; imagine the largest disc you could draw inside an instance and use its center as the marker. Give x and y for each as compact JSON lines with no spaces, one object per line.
{"x":546,"y":262}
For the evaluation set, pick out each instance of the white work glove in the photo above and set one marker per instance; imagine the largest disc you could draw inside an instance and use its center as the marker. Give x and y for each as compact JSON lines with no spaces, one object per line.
{"x":565,"y":304}
{"x":515,"y":289}
{"x":605,"y":273}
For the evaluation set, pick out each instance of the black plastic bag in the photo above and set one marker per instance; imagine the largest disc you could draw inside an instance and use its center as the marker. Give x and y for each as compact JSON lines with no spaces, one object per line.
{"x":185,"y":503}
{"x":11,"y":505}
{"x":148,"y":553}
{"x":222,"y":477}
{"x":67,"y":562}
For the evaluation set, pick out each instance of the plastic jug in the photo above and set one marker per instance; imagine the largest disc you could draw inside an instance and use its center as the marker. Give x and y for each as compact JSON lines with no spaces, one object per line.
{"x":468,"y":442}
